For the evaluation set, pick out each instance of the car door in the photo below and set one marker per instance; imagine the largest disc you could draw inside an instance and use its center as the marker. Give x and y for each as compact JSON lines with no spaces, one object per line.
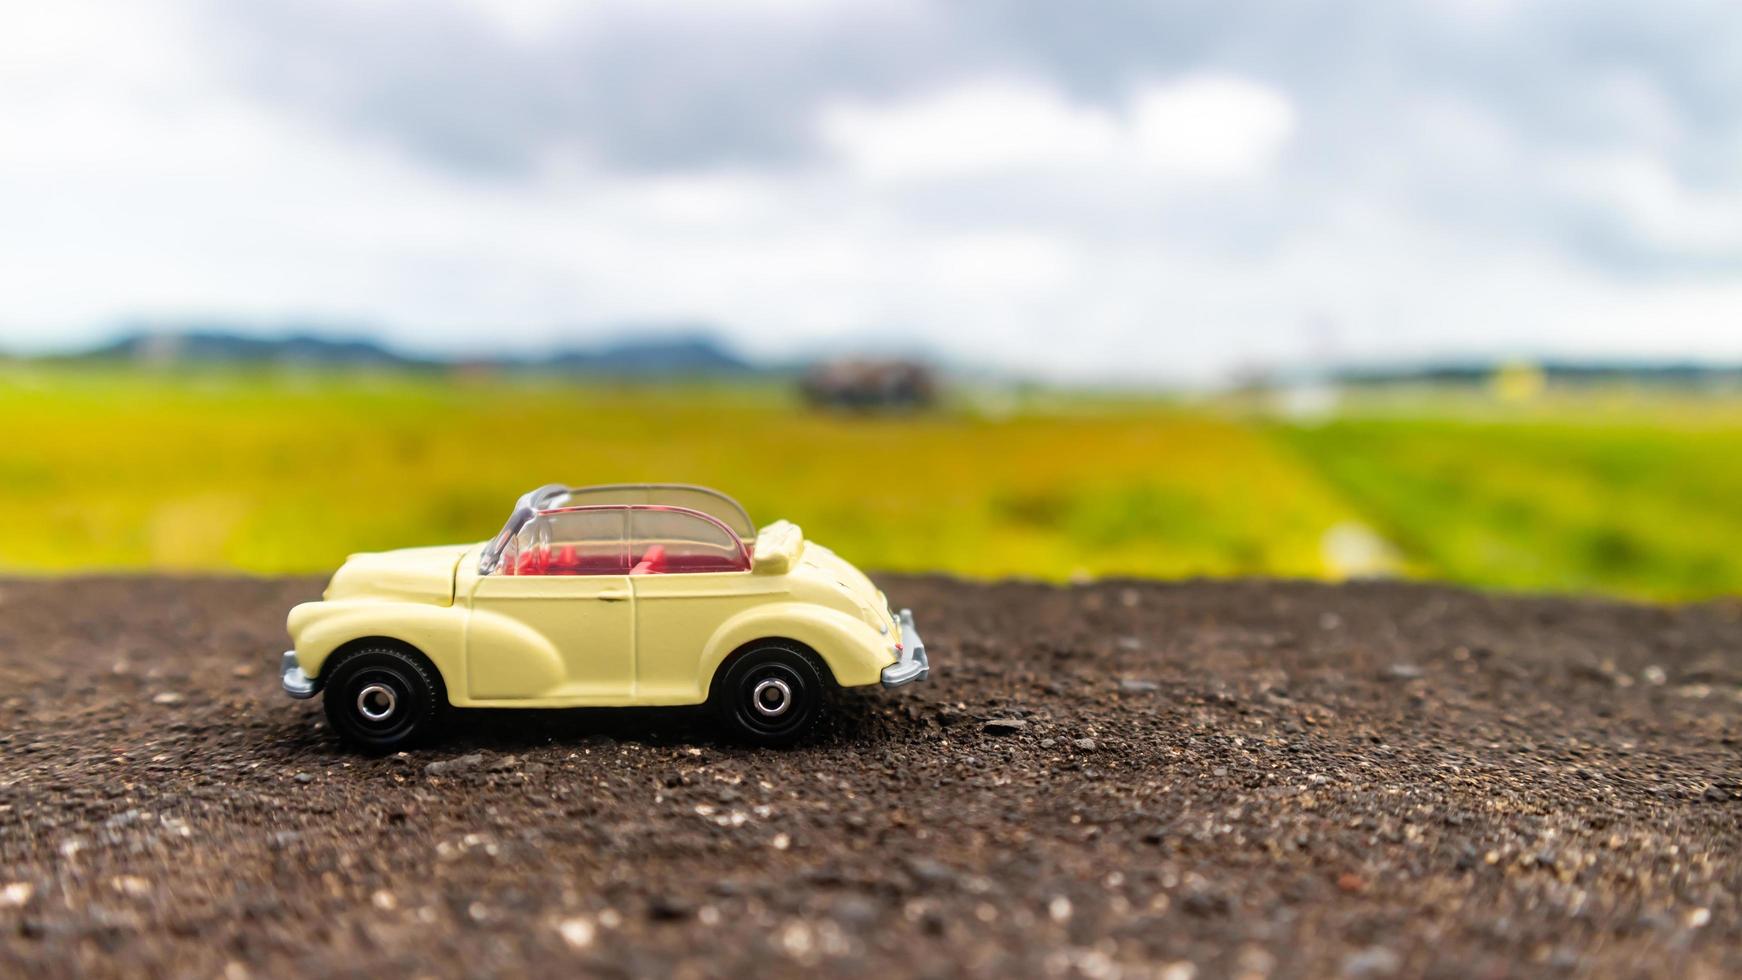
{"x":555,"y":621}
{"x":690,"y":574}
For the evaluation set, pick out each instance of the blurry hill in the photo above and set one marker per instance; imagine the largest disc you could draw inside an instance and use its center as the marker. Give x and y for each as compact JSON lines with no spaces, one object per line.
{"x":681,"y":356}
{"x":1567,"y":372}
{"x":687,"y":351}
{"x":203,"y":346}
{"x":668,"y":355}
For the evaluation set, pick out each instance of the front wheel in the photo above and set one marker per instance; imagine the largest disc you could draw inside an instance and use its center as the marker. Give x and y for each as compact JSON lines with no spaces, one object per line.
{"x":771,"y":695}
{"x":384,"y":698}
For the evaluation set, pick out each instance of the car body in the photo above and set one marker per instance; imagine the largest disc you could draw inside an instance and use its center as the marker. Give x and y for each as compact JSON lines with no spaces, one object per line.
{"x":620,"y":595}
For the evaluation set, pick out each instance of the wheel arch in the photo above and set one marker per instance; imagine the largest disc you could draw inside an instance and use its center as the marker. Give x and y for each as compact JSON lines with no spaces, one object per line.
{"x":803,"y":649}
{"x":349,"y":647}
{"x":322,"y":630}
{"x":851,"y":653}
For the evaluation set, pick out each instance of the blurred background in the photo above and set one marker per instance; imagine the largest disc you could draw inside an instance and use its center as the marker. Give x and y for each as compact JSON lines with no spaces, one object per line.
{"x":1331,"y":289}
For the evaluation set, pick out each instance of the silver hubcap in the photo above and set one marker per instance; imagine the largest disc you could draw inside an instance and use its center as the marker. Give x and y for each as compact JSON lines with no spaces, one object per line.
{"x":771,"y":698}
{"x":376,"y":702}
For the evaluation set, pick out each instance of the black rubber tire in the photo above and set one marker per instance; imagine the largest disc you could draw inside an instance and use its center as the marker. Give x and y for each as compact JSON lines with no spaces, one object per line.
{"x":409,"y":690}
{"x":793,"y":701}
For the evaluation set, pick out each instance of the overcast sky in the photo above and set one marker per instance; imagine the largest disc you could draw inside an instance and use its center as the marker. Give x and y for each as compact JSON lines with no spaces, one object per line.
{"x":1096,"y":190}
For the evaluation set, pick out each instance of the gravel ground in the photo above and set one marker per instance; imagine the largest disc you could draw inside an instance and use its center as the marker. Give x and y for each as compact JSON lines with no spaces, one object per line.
{"x":1209,"y":779}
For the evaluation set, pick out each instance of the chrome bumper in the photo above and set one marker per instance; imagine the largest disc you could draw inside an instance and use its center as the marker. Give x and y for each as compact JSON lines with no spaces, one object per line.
{"x":911,"y":663}
{"x":296,"y":683}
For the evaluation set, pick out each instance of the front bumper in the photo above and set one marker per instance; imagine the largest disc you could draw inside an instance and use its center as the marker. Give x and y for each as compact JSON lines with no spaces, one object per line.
{"x":911,"y":663}
{"x":296,"y":683}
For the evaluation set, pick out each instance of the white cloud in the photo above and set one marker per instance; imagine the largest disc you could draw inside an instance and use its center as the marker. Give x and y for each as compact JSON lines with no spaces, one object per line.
{"x":1211,"y":126}
{"x":1199,"y":127}
{"x":1658,"y":208}
{"x":533,"y":20}
{"x":974,"y":128}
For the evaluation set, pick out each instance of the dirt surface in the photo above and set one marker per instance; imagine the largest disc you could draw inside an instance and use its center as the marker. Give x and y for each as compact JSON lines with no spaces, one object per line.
{"x":1122,"y":779}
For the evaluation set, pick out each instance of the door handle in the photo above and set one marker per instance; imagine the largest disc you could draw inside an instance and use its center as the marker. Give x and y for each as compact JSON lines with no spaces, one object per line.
{"x":614,"y":595}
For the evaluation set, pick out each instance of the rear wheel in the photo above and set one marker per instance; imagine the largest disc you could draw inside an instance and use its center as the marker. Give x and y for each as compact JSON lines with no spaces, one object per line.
{"x":772,"y":694}
{"x":384,"y":698}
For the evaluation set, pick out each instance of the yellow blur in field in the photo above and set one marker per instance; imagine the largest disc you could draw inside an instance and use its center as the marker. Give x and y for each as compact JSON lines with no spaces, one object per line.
{"x":284,"y":473}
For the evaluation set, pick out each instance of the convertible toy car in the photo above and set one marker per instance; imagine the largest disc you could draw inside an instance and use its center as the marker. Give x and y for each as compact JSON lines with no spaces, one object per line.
{"x":652,"y":594}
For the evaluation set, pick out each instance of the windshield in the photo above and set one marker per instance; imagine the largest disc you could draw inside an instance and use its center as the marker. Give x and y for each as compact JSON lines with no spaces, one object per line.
{"x":710,"y":502}
{"x":689,"y":497}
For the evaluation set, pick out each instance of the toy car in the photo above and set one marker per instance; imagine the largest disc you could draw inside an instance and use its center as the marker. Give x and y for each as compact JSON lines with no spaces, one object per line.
{"x":647,"y":594}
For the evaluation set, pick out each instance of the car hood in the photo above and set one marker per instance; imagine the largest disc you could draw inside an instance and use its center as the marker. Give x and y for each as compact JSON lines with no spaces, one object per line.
{"x":821,"y":564}
{"x":416,"y":574}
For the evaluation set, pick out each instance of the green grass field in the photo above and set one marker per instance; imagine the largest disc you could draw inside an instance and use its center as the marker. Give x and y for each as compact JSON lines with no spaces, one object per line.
{"x":269,"y":473}
{"x":1640,"y":498}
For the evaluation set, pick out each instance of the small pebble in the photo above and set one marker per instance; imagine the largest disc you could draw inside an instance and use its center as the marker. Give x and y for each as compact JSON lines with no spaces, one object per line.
{"x":442,"y":767}
{"x":1374,"y":961}
{"x":577,"y":932}
{"x":15,"y":894}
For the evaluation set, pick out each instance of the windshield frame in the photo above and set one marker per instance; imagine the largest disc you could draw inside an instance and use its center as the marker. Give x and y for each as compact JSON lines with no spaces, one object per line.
{"x":529,"y":504}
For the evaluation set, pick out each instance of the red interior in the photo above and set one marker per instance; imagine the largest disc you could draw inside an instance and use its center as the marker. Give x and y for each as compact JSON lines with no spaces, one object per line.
{"x":652,"y":561}
{"x":564,"y":561}
{"x":692,"y":563}
{"x":656,"y":560}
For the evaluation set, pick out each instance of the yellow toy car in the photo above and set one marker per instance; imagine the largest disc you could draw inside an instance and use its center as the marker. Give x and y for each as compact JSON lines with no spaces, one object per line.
{"x":645,"y":594}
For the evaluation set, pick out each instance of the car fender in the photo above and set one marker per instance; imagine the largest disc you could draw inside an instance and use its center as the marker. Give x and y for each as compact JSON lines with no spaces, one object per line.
{"x":854,"y":652}
{"x":510,"y":659}
{"x":438,"y":632}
